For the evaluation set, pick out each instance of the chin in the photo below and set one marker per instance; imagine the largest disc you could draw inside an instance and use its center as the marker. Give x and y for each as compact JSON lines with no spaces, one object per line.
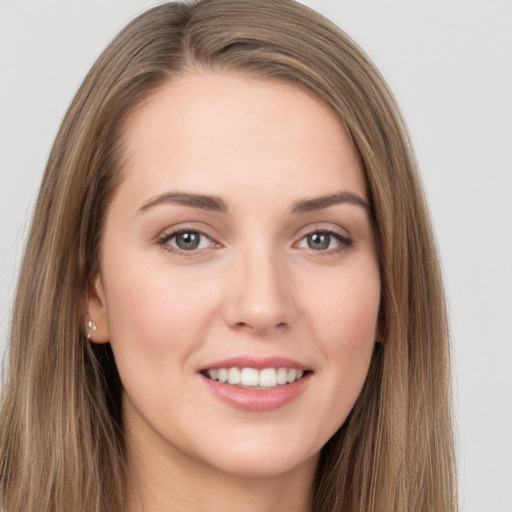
{"x":266,"y":454}
{"x":261,"y":466}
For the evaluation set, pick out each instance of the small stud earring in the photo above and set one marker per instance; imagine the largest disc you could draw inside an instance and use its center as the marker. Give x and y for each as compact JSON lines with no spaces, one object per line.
{"x":92,"y":329}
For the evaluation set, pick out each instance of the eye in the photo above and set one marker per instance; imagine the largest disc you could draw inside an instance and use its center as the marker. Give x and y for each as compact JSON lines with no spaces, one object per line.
{"x":187,"y":241}
{"x":323,"y":241}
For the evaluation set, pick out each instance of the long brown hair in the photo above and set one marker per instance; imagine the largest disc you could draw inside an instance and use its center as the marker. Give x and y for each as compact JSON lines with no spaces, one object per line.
{"x":61,"y":439}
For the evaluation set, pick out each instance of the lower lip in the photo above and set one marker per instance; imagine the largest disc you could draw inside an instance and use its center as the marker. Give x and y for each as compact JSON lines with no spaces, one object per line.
{"x":257,"y":400}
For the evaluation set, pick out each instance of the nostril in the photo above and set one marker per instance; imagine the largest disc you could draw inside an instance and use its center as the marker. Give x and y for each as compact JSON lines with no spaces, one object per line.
{"x":281,"y":326}
{"x":260,"y":327}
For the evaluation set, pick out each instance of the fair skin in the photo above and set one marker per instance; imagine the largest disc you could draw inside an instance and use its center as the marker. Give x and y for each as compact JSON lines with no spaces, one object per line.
{"x":220,"y":244}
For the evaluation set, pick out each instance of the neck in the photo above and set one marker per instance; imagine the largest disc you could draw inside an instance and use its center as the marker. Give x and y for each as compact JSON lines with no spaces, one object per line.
{"x":169,"y":481}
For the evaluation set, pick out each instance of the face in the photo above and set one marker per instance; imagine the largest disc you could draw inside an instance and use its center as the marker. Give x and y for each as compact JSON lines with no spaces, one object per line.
{"x":239,"y":284}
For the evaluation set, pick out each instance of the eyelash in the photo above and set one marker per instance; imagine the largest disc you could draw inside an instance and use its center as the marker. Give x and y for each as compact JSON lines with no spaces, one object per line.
{"x":344,"y":241}
{"x":166,"y":237}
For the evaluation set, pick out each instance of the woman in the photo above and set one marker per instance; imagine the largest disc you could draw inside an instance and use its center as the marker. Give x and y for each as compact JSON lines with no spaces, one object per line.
{"x":230,"y":297}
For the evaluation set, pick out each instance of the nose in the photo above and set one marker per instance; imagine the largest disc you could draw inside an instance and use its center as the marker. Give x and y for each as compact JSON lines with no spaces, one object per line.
{"x":258,"y":296}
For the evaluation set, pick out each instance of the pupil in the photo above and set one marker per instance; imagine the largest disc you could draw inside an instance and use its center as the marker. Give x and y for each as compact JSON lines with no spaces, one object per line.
{"x":187,"y":241}
{"x":319,"y":241}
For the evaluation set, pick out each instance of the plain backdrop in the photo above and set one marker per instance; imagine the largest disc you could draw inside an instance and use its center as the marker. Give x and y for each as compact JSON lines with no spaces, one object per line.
{"x":449,"y":63}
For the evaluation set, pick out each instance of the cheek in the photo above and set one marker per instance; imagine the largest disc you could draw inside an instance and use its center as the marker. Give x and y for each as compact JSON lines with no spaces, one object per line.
{"x":157,"y":319}
{"x":345,"y":308}
{"x":353,"y":334}
{"x":344,"y":318}
{"x":154,"y":311}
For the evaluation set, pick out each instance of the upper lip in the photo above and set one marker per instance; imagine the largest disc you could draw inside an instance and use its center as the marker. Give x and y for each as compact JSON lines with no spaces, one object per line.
{"x":259,"y":363}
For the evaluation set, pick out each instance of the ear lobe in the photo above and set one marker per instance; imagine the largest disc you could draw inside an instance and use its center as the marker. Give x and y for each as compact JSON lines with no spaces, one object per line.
{"x":97,"y":312}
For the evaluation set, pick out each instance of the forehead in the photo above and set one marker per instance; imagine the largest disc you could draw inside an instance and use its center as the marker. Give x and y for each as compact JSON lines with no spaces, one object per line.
{"x":218,"y":132}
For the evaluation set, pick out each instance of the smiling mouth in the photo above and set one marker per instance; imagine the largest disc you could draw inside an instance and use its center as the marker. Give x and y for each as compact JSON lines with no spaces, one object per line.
{"x":251,"y":378}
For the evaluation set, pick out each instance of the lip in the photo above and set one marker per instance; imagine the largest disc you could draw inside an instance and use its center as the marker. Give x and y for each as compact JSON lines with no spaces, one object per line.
{"x":257,"y":400}
{"x":259,"y":363}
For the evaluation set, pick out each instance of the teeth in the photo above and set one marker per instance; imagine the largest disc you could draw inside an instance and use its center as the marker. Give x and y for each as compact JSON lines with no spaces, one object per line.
{"x":250,"y":377}
{"x":233,"y":376}
{"x":268,"y":377}
{"x":282,"y":376}
{"x":223,"y":375}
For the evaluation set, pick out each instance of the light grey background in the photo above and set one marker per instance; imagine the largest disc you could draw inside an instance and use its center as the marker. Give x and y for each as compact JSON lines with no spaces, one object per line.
{"x":450,"y":65}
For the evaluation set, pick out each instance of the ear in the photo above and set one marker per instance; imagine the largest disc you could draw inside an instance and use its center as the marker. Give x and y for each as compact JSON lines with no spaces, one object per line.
{"x":97,"y":312}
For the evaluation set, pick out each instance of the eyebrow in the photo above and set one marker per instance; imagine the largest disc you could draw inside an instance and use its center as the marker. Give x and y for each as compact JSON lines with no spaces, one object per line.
{"x":319,"y":203}
{"x":216,"y":204}
{"x":204,"y":202}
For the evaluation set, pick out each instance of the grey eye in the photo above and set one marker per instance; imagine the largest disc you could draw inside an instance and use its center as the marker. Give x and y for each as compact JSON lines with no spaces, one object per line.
{"x":318,"y":241}
{"x":189,"y":241}
{"x":324,"y":241}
